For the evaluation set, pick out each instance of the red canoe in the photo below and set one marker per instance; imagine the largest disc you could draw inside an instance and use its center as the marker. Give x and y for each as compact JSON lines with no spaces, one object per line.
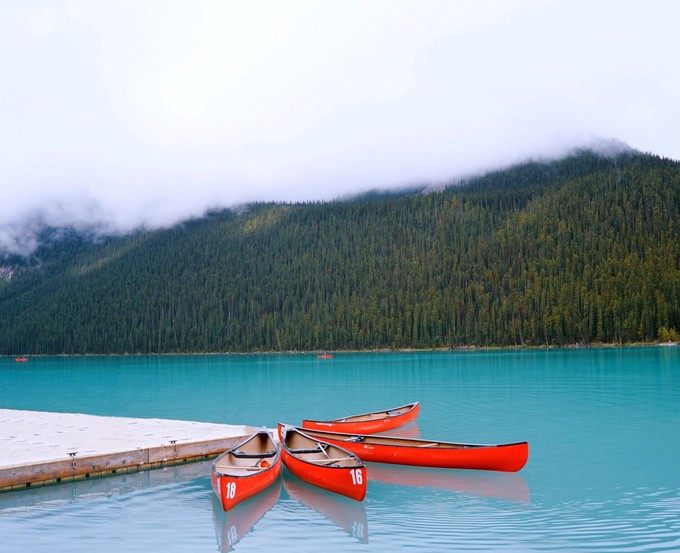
{"x":426,"y":453}
{"x":369,"y":423}
{"x":245,"y":470}
{"x":328,"y":466}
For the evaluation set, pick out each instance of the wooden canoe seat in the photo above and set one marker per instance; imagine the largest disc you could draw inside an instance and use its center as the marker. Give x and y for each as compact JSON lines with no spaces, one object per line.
{"x":331,"y":461}
{"x":242,"y":455}
{"x":313,"y":450}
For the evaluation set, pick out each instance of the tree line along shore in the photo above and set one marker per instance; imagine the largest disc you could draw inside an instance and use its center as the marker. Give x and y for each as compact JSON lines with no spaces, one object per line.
{"x":577,"y":251}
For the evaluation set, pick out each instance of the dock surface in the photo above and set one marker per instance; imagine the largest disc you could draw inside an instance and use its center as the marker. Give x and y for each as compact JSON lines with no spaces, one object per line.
{"x":44,"y":448}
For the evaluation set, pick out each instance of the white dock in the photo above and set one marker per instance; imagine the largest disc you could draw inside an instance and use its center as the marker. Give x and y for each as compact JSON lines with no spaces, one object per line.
{"x":44,"y":448}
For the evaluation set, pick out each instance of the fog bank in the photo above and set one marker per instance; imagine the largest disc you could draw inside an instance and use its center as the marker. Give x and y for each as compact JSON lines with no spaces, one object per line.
{"x":117,"y":115}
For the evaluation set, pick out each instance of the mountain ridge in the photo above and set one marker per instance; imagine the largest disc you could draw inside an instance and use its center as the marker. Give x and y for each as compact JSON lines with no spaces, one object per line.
{"x":584,"y":249}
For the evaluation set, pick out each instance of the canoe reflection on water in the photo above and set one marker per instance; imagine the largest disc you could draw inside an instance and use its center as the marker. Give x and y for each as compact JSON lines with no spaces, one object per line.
{"x":409,"y":431}
{"x":233,"y":525}
{"x":343,"y":512}
{"x":497,"y":485}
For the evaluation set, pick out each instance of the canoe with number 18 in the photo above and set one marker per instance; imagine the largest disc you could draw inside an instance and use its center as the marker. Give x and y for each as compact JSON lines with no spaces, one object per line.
{"x":246,"y":469}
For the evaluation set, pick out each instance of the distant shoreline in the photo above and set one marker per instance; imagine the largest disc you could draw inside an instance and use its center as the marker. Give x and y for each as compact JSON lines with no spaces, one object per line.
{"x":594,"y":345}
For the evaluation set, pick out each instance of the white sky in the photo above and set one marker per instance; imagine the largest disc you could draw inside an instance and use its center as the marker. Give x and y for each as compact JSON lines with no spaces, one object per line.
{"x":120,"y":114}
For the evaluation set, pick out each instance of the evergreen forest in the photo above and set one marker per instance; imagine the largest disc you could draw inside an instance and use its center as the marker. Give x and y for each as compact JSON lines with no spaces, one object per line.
{"x":581,"y":250}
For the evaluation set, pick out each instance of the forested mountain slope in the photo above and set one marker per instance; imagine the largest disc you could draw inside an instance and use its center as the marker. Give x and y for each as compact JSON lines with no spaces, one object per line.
{"x":579,"y":250}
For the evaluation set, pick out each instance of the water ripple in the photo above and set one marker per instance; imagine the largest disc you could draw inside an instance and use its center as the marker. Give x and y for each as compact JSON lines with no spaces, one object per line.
{"x":602,"y":474}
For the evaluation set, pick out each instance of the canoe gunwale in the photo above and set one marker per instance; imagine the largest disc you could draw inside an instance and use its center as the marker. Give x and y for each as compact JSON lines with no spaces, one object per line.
{"x":353,"y":456}
{"x":348,"y":419}
{"x":365,"y":438}
{"x":276,"y":455}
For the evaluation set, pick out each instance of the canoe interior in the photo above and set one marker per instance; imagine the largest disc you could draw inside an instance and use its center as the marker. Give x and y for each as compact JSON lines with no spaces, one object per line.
{"x":262,"y":449}
{"x":377,"y":415}
{"x":393,"y":441}
{"x":310,"y":450}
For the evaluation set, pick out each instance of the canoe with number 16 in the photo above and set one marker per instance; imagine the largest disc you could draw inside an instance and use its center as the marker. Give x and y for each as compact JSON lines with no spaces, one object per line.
{"x":322,"y":464}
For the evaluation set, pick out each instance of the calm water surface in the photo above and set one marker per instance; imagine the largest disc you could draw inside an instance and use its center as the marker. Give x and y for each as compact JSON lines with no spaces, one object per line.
{"x":603,"y":472}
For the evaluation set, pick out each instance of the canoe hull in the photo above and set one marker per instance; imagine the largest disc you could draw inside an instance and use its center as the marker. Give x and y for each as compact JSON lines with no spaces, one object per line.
{"x":350,"y":482}
{"x":365,"y":427}
{"x":506,"y":458}
{"x":232,"y":490}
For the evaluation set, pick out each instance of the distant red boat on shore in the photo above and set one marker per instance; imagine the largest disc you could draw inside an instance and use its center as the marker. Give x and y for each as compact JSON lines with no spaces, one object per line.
{"x":368,"y":423}
{"x":20,"y":359}
{"x":324,"y":356}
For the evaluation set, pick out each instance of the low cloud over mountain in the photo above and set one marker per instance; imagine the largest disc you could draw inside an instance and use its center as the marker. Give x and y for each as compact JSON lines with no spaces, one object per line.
{"x":115,"y":122}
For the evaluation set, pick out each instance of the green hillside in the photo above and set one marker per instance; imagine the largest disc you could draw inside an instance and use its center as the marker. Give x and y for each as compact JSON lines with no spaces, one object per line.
{"x":586,"y":249}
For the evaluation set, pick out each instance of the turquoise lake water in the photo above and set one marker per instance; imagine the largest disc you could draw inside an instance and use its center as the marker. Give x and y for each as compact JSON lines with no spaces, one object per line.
{"x":603,"y":471}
